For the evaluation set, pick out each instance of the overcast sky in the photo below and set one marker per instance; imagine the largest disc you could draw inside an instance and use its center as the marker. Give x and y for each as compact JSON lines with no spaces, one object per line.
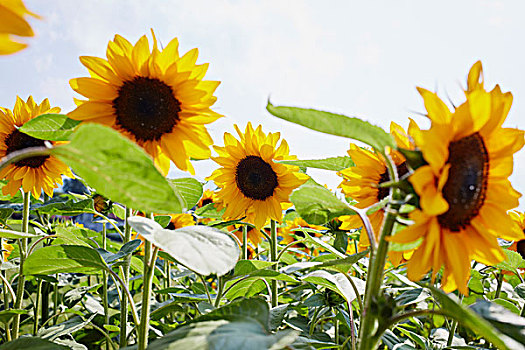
{"x":358,"y":58}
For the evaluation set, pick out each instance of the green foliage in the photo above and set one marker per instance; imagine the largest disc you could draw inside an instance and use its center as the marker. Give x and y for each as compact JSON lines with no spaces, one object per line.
{"x":119,"y":169}
{"x":51,"y":127}
{"x":333,"y":163}
{"x":335,"y":124}
{"x":190,"y":190}
{"x":316,"y":204}
{"x":64,"y":258}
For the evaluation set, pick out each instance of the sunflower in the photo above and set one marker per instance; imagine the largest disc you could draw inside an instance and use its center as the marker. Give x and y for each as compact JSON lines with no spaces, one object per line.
{"x":208,"y":196}
{"x":253,"y":184}
{"x":33,"y":174}
{"x":518,"y":246}
{"x":180,"y":220}
{"x":361,"y":184}
{"x":156,"y":98}
{"x":464,"y":189}
{"x":6,"y":250}
{"x":12,"y":22}
{"x":293,"y":228}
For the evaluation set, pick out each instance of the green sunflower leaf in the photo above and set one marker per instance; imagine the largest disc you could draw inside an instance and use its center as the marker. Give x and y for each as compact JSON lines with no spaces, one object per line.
{"x":335,"y":124}
{"x":316,"y":204}
{"x":119,"y":169}
{"x":34,"y":343}
{"x":51,"y":127}
{"x":477,"y":321}
{"x":333,"y":163}
{"x":190,"y":190}
{"x":64,"y":258}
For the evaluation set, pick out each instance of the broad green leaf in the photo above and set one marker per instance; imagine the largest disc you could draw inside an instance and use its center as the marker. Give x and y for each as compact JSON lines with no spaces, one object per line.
{"x":504,"y":320}
{"x":202,"y":249}
{"x":335,"y":124}
{"x":343,"y":264}
{"x":66,"y":207}
{"x":51,"y":127}
{"x":67,"y":327}
{"x":255,"y":308}
{"x":73,"y":235}
{"x":412,"y":296}
{"x":126,"y":249}
{"x":245,"y":288}
{"x":513,"y":261}
{"x":210,"y":211}
{"x":454,"y":309}
{"x":333,"y":163}
{"x":166,"y":308}
{"x":64,"y":258}
{"x":241,"y":333}
{"x":15,"y":234}
{"x":507,"y":305}
{"x":316,"y":204}
{"x":119,"y":169}
{"x":190,"y":190}
{"x":244,"y":267}
{"x":163,"y":220}
{"x":321,"y":244}
{"x":7,"y":315}
{"x":33,"y":343}
{"x":337,"y":283}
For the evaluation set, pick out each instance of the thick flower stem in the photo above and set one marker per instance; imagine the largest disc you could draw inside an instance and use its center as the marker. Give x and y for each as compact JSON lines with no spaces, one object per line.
{"x":368,"y":338}
{"x":23,"y":251}
{"x":105,"y":283}
{"x":125,"y":279}
{"x":273,"y":258}
{"x":37,"y":306}
{"x":149,"y":269}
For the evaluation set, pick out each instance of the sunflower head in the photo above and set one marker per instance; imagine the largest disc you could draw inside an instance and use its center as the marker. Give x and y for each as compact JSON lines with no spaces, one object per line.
{"x":291,"y":231}
{"x":361,"y":182}
{"x":12,"y":22}
{"x":208,"y":197}
{"x":180,"y":220}
{"x":155,"y":97}
{"x":32,"y":174}
{"x":464,"y":189}
{"x":253,"y":184}
{"x":519,"y":246}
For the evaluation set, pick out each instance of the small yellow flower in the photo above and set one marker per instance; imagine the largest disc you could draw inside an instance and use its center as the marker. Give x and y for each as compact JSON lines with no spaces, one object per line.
{"x":156,"y":98}
{"x":253,"y":184}
{"x":180,"y":220}
{"x":293,"y":228}
{"x":12,"y":22}
{"x":464,"y":190}
{"x":33,"y":174}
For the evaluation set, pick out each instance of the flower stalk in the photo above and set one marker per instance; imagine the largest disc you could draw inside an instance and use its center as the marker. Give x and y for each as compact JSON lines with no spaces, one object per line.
{"x":23,"y":255}
{"x":125,"y":279}
{"x":273,"y":258}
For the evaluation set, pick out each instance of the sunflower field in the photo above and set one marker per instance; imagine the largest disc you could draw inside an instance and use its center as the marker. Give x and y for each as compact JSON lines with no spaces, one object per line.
{"x":421,"y":246}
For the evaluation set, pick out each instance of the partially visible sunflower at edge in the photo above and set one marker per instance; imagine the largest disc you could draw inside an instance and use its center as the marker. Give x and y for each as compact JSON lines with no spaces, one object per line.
{"x":12,"y":22}
{"x":253,"y":184}
{"x":293,"y":228}
{"x":156,"y":98}
{"x":32,"y":174}
{"x":519,"y":245}
{"x":254,"y":235}
{"x":464,"y":190}
{"x":361,"y":182}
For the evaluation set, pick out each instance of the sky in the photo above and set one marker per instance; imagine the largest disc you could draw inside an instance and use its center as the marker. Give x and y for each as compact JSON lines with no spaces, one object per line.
{"x":357,"y":58}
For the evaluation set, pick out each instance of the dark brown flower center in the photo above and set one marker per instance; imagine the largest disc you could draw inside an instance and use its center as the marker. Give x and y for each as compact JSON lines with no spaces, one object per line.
{"x":17,"y":141}
{"x":206,"y":202}
{"x":383,"y":192}
{"x":466,"y":186}
{"x":255,"y":178}
{"x":146,"y":108}
{"x":520,"y":248}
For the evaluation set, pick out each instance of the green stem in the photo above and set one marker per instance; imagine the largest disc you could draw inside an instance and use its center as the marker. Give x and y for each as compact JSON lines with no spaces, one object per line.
{"x":205,"y":286}
{"x":4,"y":290}
{"x":244,"y":242}
{"x":37,"y":306}
{"x":500,"y":283}
{"x":453,"y":327}
{"x":149,"y":269}
{"x":55,"y":300}
{"x":23,"y":251}
{"x":220,"y":289}
{"x":125,"y":279}
{"x":273,"y":258}
{"x":105,"y":283}
{"x":367,"y":339}
{"x":398,"y":318}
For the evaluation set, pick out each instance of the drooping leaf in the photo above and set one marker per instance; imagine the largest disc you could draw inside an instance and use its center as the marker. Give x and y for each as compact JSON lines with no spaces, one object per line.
{"x":202,"y":249}
{"x":64,"y":328}
{"x":316,"y":204}
{"x":126,"y":249}
{"x":64,"y":258}
{"x":33,"y":343}
{"x":337,"y":283}
{"x":7,"y":315}
{"x":210,"y":211}
{"x":244,"y":267}
{"x":15,"y":234}
{"x":51,"y":127}
{"x":333,"y":163}
{"x":66,"y":207}
{"x":513,"y":261}
{"x":335,"y":124}
{"x":190,"y":190}
{"x":119,"y":169}
{"x":504,"y":320}
{"x":245,"y":288}
{"x":453,"y":308}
